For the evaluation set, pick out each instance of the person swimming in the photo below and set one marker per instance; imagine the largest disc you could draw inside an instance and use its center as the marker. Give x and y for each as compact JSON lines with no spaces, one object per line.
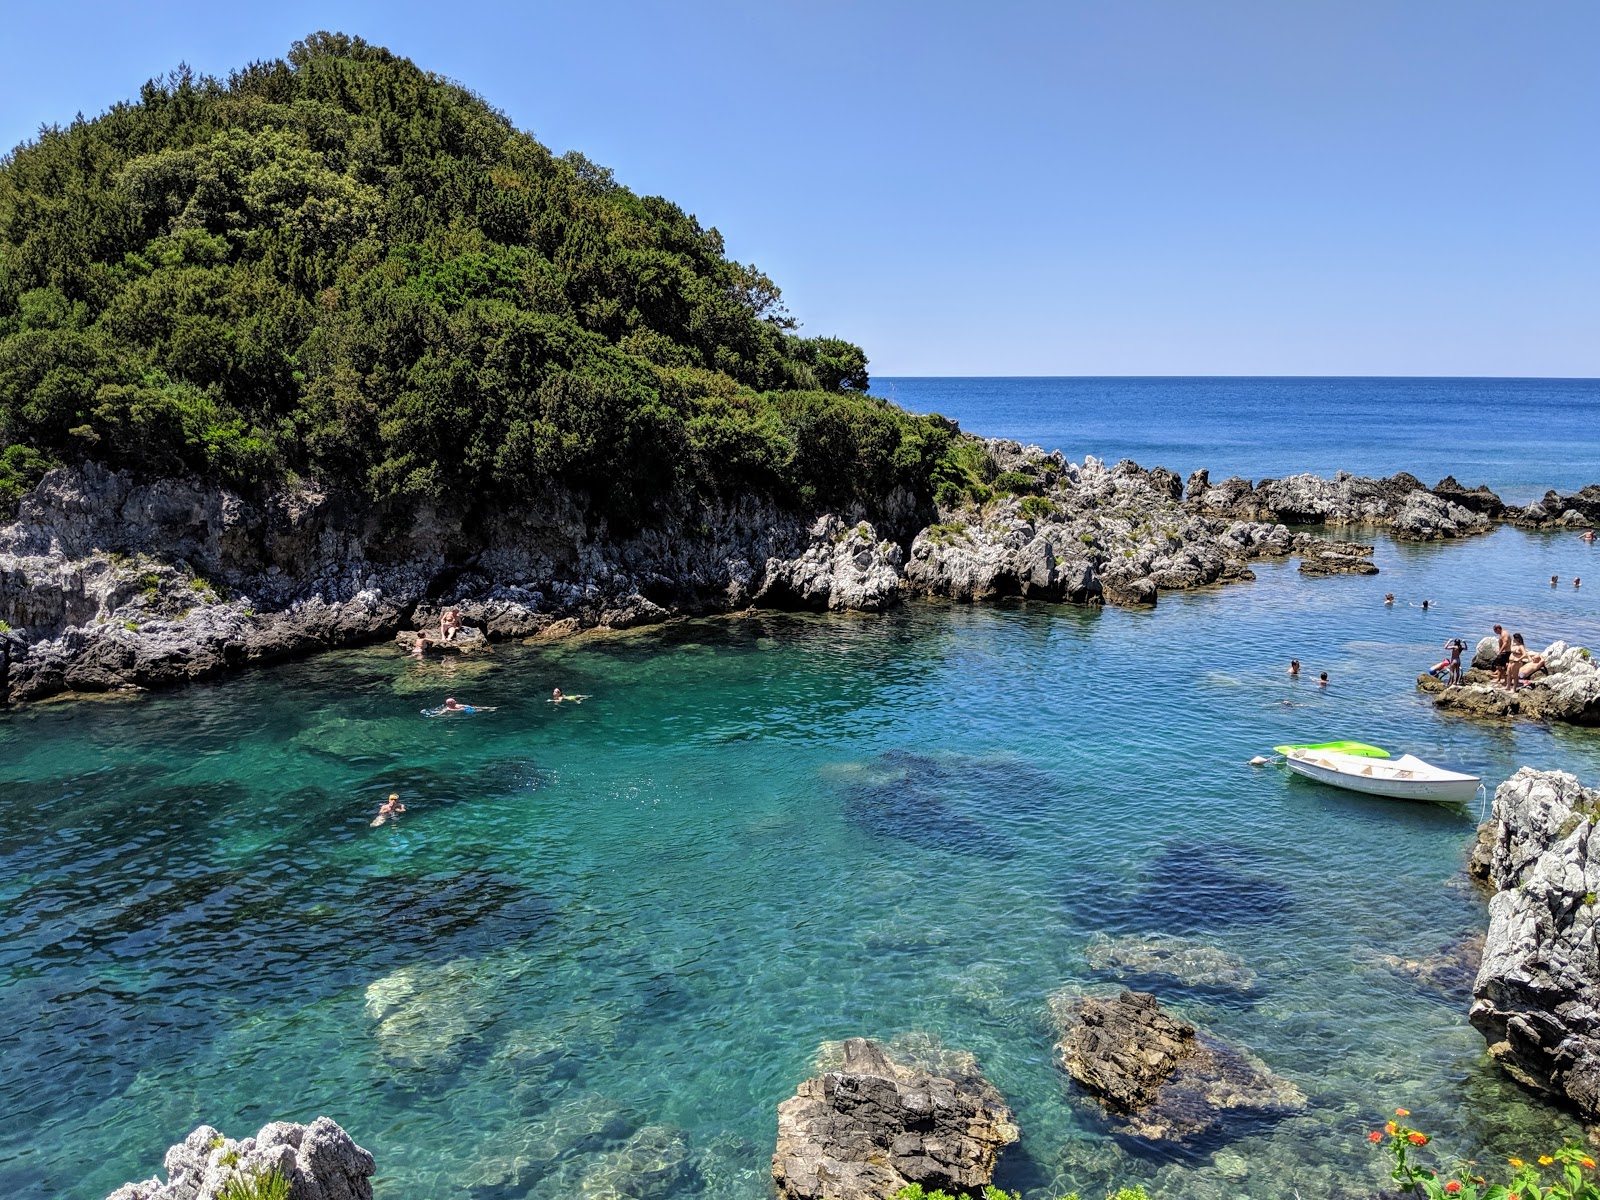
{"x":452,"y":706}
{"x":1294,"y":668}
{"x":1322,"y":680}
{"x":557,"y":696}
{"x":1425,"y":604}
{"x":391,"y":809}
{"x":419,"y":647}
{"x":1555,"y":581}
{"x":1388,"y":597}
{"x":1587,"y":536}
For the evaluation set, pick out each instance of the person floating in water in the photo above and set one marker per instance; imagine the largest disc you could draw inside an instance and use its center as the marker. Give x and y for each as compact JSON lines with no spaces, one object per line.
{"x":1322,"y":680}
{"x":1576,"y":582}
{"x":1425,"y":604}
{"x":419,"y":647}
{"x":391,"y":809}
{"x":1388,"y":597}
{"x":1555,"y":581}
{"x":452,"y":705}
{"x":557,"y":696}
{"x":1294,"y":668}
{"x":449,"y":624}
{"x":1587,"y":536}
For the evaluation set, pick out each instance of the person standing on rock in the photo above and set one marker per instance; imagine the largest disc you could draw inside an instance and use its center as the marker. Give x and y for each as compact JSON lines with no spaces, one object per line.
{"x":1519,"y":651}
{"x":1456,"y":647}
{"x":1497,"y":665}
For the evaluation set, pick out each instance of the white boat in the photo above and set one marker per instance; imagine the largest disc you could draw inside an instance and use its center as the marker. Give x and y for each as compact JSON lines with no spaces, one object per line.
{"x":1406,"y":777}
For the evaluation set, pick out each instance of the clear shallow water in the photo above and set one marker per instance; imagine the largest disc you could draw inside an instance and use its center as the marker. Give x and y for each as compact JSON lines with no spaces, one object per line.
{"x":1520,"y":436}
{"x":757,"y":835}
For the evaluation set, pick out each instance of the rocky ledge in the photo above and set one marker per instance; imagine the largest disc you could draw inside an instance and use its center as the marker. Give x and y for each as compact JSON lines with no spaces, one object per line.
{"x":870,"y":1126}
{"x":1568,"y":689}
{"x":319,"y":1161}
{"x":1160,"y":1076}
{"x":108,"y":583}
{"x":1537,"y":995}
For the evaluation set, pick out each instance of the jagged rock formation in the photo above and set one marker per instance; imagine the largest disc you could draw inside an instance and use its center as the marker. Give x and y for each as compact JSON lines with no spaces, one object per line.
{"x":1400,"y":502}
{"x":1537,"y":995}
{"x":870,"y":1127}
{"x":1322,"y":556}
{"x":1159,"y":1075}
{"x":1581,"y":510}
{"x":319,"y":1161}
{"x":1568,"y":690}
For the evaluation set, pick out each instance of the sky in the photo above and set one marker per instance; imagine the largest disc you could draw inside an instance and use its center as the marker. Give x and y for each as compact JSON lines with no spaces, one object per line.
{"x":1116,"y":187}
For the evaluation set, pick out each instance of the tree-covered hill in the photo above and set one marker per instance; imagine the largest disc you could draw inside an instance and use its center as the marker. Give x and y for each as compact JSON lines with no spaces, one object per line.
{"x":342,"y":267}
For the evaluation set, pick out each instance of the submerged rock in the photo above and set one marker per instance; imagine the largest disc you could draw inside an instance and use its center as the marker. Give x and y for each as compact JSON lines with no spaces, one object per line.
{"x":1449,"y":970}
{"x":1187,"y":961}
{"x":1160,"y":1076}
{"x":1537,"y":996}
{"x":319,"y":1161}
{"x":871,"y":1126}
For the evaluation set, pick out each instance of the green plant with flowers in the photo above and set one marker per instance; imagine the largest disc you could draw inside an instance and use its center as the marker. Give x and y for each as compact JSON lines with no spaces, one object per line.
{"x":1570,"y":1170}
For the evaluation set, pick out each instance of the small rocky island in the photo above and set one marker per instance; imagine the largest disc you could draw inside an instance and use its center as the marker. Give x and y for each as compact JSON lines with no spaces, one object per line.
{"x":318,"y":1161}
{"x":1567,"y":690}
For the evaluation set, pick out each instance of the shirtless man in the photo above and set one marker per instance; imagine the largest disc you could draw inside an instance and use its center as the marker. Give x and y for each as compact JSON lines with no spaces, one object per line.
{"x":1497,"y":665}
{"x":391,"y":809}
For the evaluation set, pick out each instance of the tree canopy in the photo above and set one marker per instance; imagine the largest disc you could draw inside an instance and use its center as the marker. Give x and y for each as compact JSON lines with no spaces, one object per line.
{"x":343,"y":267}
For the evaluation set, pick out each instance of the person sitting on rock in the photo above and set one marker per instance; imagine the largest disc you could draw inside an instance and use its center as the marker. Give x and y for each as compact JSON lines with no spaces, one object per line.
{"x":449,"y":624}
{"x":1531,"y":666}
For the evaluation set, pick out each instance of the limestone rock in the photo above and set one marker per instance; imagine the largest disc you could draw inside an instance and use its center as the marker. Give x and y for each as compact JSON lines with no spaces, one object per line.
{"x":1425,"y":516}
{"x":1537,"y":996}
{"x":1479,"y":499}
{"x":1160,"y":1076}
{"x":868,"y":1128}
{"x":1322,"y":556}
{"x":1567,"y":691}
{"x":1192,"y":963}
{"x":466,"y":640}
{"x":320,"y":1162}
{"x":843,"y":568}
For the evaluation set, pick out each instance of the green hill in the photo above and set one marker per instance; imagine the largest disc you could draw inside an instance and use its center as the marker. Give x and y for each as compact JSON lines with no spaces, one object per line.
{"x":342,"y":267}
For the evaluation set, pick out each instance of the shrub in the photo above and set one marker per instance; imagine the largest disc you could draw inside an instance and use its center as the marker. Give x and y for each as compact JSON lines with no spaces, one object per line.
{"x":273,"y":1185}
{"x":1459,"y":1180}
{"x":1037,"y":508}
{"x":1018,"y":483}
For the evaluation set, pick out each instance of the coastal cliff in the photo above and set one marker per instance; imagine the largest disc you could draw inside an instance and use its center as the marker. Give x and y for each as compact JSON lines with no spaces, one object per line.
{"x":1537,"y":995}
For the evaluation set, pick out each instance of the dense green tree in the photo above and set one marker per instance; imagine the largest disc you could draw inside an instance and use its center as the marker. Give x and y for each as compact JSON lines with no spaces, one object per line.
{"x":342,"y":266}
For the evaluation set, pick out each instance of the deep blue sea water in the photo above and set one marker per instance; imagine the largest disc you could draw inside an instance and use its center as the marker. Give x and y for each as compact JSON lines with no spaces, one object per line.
{"x":607,"y":939}
{"x":1520,"y":436}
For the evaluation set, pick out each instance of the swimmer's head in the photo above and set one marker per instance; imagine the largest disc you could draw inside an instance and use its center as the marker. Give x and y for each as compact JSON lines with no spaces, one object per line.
{"x":394,"y":795}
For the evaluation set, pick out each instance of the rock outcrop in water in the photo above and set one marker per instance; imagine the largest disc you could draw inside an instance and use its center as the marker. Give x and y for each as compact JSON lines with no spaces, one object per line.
{"x":319,"y":1161}
{"x":1160,"y":1076}
{"x":1537,"y":995}
{"x":1568,"y":690}
{"x":108,"y":583}
{"x":1185,"y":961}
{"x":869,"y":1127}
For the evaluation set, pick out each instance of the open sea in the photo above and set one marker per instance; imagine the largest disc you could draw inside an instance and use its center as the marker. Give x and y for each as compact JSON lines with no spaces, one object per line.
{"x":607,"y":939}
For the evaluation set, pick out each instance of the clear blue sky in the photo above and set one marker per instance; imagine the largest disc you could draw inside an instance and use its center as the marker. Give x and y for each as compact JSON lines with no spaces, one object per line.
{"x":1115,"y":187}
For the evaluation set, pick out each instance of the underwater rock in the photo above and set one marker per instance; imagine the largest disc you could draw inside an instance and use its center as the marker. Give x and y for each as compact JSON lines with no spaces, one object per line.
{"x":1537,"y":996}
{"x":320,"y":1161}
{"x":871,"y":1126}
{"x":429,"y":1015}
{"x":1192,"y":963}
{"x":1161,"y":1077}
{"x":936,"y":802}
{"x":1449,"y":970}
{"x":1195,"y":888}
{"x":654,"y":1163}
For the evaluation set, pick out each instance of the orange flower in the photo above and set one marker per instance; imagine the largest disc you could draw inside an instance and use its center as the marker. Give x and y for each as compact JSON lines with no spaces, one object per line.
{"x":1391,"y":1129}
{"x":1417,"y":1139}
{"x":1402,"y":1112}
{"x":1452,"y":1187}
{"x":1587,"y":1162}
{"x":1545,"y":1160}
{"x":1374,"y":1136}
{"x":1515,"y":1162}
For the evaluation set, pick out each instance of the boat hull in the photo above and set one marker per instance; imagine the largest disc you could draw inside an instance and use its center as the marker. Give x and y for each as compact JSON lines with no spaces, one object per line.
{"x":1432,"y":791}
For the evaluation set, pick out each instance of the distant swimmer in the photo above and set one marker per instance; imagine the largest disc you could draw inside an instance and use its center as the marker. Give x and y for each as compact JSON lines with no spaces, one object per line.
{"x":420,"y":646}
{"x":557,"y":696}
{"x":391,"y":809}
{"x":1555,"y":581}
{"x":1388,"y":597}
{"x":1322,"y":680}
{"x":1587,"y":535}
{"x":1425,"y":604}
{"x":1294,"y":668}
{"x":453,"y":707}
{"x":1576,"y":582}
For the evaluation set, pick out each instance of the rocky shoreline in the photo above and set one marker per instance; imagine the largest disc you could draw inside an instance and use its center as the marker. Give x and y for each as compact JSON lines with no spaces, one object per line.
{"x":108,"y":584}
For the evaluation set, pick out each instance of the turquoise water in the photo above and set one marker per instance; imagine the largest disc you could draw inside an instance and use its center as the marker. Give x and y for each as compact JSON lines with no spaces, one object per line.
{"x":647,"y":912}
{"x":1520,"y":436}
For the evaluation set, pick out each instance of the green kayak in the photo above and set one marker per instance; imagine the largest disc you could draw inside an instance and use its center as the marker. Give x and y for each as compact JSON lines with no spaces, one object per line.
{"x":1359,"y":749}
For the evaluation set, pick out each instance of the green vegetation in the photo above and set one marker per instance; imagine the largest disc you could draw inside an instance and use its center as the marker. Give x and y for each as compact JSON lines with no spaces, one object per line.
{"x":1037,"y":508}
{"x":273,"y":1185}
{"x":915,"y":1191}
{"x":342,"y":267}
{"x":1564,"y":1174}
